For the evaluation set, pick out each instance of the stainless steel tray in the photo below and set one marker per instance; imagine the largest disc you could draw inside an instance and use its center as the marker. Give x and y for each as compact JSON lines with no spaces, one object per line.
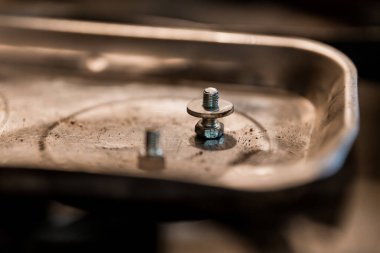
{"x":76,"y":97}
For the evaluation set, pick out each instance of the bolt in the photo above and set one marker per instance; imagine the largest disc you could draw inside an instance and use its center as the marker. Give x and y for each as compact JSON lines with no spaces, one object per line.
{"x":210,"y":108}
{"x":153,"y":158}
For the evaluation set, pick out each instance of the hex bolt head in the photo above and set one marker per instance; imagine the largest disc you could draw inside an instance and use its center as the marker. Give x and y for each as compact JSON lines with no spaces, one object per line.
{"x":153,"y":158}
{"x":209,"y":109}
{"x":209,"y":131}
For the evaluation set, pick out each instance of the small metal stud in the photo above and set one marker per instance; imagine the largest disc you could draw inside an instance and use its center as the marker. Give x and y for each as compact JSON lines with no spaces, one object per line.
{"x":153,"y":158}
{"x":152,"y":143}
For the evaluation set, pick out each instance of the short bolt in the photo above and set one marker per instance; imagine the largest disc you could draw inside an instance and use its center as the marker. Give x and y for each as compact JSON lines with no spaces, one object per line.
{"x":209,"y":109}
{"x":153,"y":158}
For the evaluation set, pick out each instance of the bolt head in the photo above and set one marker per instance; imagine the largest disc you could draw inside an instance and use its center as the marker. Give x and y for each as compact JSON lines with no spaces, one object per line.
{"x":151,"y":163}
{"x":207,"y":132}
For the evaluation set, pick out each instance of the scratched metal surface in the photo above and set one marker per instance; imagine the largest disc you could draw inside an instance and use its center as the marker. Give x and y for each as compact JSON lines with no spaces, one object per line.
{"x":71,"y":102}
{"x":76,"y":124}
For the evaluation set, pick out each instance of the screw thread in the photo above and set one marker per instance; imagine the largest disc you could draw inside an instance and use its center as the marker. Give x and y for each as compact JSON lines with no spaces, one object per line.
{"x":211,"y":123}
{"x":152,"y":138}
{"x":211,"y":99}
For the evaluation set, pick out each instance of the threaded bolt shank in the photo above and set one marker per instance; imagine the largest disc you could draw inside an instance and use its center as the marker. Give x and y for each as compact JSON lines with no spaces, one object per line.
{"x":211,"y":99}
{"x":152,"y":141}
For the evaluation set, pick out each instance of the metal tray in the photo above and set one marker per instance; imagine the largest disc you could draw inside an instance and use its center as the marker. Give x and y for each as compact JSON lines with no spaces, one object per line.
{"x":76,"y":97}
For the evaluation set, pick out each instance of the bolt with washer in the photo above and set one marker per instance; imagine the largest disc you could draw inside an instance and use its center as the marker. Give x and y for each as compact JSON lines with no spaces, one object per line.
{"x":210,"y":108}
{"x":153,"y":158}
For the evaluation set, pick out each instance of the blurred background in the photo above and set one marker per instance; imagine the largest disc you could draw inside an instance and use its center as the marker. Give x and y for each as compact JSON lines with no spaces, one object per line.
{"x":348,"y":223}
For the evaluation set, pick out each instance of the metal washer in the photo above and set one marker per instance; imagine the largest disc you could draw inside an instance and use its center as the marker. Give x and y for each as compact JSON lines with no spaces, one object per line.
{"x":196,"y":109}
